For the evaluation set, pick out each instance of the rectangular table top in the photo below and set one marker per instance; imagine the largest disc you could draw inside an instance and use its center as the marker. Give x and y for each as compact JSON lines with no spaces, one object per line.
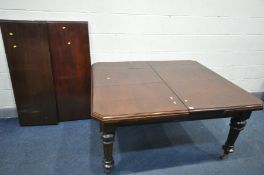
{"x":140,"y":90}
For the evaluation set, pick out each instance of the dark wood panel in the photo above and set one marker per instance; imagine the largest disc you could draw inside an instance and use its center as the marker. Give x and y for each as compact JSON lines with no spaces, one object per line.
{"x":132,"y":91}
{"x":69,"y":46}
{"x":27,"y":50}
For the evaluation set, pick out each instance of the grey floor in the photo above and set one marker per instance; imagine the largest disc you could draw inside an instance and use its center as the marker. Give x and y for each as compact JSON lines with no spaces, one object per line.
{"x":176,"y":148}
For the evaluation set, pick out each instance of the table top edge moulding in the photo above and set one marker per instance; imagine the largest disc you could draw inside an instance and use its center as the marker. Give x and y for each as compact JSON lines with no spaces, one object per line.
{"x":125,"y":93}
{"x":130,"y":83}
{"x":210,"y":92}
{"x":132,"y":91}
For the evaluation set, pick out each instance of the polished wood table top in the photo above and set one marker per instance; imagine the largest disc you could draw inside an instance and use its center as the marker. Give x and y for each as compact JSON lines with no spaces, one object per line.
{"x":129,"y":91}
{"x":145,"y":92}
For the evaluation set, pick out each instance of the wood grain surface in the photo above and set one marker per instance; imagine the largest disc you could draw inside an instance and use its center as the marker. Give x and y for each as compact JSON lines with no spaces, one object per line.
{"x":129,"y":91}
{"x":27,"y":50}
{"x":69,"y":46}
{"x":201,"y":89}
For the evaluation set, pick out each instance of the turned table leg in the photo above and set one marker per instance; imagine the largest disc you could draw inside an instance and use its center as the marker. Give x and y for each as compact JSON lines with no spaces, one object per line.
{"x":107,"y":138}
{"x":237,"y":124}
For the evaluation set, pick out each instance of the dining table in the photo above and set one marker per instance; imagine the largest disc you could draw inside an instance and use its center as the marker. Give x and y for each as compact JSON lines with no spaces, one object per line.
{"x":143,"y":92}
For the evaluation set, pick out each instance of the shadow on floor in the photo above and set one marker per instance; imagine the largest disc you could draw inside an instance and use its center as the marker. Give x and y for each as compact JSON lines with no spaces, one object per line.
{"x":157,"y":146}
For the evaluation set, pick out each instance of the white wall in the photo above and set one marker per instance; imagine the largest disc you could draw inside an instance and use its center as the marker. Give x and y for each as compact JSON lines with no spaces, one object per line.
{"x":227,"y":36}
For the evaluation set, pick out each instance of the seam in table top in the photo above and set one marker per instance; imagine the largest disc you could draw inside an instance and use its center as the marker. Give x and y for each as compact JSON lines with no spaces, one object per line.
{"x":152,"y":68}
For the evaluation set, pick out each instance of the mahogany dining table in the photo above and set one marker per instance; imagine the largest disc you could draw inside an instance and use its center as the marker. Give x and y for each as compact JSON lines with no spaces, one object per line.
{"x":141,"y":92}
